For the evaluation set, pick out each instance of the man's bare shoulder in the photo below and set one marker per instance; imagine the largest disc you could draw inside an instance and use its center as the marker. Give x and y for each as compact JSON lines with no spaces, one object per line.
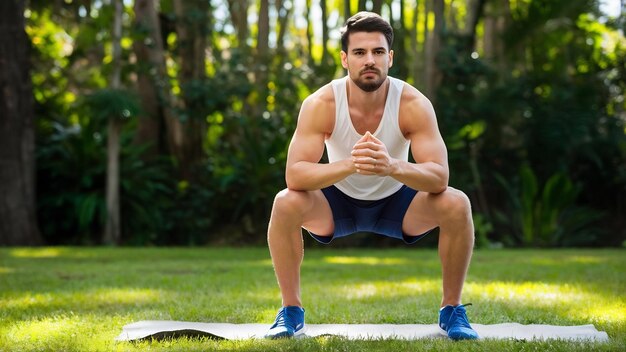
{"x":412,"y":98}
{"x":318,"y":111}
{"x":415,"y":109}
{"x":322,"y":98}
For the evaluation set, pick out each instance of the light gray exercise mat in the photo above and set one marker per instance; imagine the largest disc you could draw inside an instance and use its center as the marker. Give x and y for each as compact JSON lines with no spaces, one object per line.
{"x":159,"y":329}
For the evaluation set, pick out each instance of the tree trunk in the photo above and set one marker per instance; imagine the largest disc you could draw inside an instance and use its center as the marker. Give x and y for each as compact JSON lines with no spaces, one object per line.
{"x":262,"y":61}
{"x":451,"y":20}
{"x":283,"y":23}
{"x":309,"y":34}
{"x":362,"y":5}
{"x":347,"y":11}
{"x":238,"y":10}
{"x":497,"y":16}
{"x":152,"y":83}
{"x":426,"y":44}
{"x":186,"y":134}
{"x":18,"y":220}
{"x":489,"y":33}
{"x":433,"y":73}
{"x":377,"y":6}
{"x":264,"y":29}
{"x":401,"y":59}
{"x":475,"y":9}
{"x":112,"y":230}
{"x":416,"y":67}
{"x":326,"y":57}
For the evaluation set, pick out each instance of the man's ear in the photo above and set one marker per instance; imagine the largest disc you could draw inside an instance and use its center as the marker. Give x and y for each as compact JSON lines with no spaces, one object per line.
{"x":344,"y":59}
{"x":390,"y":58}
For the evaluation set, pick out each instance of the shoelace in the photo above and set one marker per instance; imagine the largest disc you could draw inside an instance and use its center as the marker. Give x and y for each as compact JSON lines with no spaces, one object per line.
{"x":456,"y":312}
{"x":281,"y":318}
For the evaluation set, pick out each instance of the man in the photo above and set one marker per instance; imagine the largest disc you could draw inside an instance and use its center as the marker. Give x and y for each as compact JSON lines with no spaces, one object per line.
{"x":368,"y":122}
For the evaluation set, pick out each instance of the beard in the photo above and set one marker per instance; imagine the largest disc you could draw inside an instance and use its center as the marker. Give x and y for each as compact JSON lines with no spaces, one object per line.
{"x":370,"y":84}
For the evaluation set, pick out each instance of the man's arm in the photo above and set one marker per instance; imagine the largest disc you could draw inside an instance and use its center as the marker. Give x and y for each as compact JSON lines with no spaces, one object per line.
{"x":418,"y":122}
{"x":430,"y":171}
{"x":315,"y":122}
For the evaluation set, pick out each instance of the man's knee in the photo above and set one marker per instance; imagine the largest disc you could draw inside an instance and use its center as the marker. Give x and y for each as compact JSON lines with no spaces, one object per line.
{"x":290,"y":201}
{"x":455,"y":202}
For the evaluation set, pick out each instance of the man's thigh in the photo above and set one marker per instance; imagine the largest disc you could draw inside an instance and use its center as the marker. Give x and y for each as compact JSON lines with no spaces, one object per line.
{"x":421,"y":216}
{"x":319,"y":217}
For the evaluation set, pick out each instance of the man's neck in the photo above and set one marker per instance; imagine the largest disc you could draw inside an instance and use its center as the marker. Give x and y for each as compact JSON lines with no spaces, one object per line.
{"x":367,"y":101}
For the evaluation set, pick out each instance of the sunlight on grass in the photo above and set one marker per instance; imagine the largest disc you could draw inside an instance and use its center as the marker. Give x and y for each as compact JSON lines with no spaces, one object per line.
{"x":267,"y":315}
{"x":36,"y":252}
{"x":265,"y":262}
{"x":387,"y":289}
{"x":600,"y":313}
{"x":48,"y":253}
{"x":62,"y":332}
{"x":574,"y":302}
{"x":365,"y":260}
{"x":536,"y":293}
{"x":568,"y":260}
{"x":6,"y":270}
{"x":94,"y":299}
{"x":44,"y":331}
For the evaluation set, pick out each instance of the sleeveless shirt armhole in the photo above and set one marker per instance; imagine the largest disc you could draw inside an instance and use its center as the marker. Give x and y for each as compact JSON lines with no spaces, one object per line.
{"x":398,"y":84}
{"x":336,"y":85}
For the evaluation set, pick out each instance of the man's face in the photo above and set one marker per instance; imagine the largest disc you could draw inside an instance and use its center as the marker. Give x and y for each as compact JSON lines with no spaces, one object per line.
{"x":368,"y":59}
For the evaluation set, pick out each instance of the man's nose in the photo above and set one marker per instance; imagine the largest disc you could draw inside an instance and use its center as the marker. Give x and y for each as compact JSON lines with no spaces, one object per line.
{"x":369,"y":59}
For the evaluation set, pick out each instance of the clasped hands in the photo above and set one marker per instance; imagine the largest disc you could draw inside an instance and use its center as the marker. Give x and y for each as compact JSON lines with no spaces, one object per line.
{"x":370,"y":156}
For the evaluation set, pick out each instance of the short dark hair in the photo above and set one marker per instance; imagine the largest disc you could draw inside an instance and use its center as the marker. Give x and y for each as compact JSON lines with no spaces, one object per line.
{"x":366,"y":22}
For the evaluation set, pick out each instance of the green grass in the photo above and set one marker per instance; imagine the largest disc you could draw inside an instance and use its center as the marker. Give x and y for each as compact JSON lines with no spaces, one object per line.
{"x":67,"y":299}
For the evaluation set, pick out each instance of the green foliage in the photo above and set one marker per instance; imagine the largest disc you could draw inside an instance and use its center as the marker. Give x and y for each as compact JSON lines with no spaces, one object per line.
{"x":546,"y":213}
{"x":556,"y":110}
{"x":71,"y":168}
{"x":71,"y":176}
{"x":544,"y":124}
{"x":248,"y":149}
{"x":482,"y":228}
{"x":106,"y":104}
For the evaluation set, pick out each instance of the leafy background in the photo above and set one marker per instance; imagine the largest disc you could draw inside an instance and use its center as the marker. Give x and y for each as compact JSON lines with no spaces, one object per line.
{"x":535,"y":128}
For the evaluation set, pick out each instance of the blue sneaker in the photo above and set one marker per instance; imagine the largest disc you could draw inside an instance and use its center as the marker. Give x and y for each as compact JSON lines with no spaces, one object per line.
{"x":453,"y":320}
{"x":289,"y":323}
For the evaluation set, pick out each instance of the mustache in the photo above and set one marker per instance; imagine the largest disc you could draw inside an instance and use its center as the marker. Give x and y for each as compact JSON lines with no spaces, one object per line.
{"x":369,"y":69}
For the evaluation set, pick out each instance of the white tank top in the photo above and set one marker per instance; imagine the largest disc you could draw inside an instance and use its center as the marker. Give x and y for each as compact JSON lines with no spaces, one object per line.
{"x":344,"y":137}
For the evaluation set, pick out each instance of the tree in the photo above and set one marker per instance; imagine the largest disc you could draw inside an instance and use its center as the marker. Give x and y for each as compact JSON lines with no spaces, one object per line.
{"x":433,"y":46}
{"x":497,"y":19}
{"x":152,"y":81}
{"x":377,"y":6}
{"x":112,"y":231}
{"x":326,"y":57}
{"x":284,"y":12}
{"x":18,"y":222}
{"x":415,"y":68}
{"x":238,"y":10}
{"x":187,"y":131}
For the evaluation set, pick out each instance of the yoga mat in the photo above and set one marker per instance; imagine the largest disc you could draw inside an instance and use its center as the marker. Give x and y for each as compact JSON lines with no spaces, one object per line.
{"x":160,"y":329}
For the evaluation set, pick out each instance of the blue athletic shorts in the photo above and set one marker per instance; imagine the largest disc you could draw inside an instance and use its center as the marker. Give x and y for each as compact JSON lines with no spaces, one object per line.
{"x":383,"y":216}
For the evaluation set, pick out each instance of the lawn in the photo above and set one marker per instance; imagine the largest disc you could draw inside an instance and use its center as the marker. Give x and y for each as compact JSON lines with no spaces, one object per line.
{"x":66,"y":299}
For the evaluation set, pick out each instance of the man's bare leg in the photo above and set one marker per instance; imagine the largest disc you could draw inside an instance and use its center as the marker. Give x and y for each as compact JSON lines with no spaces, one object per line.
{"x":451,"y":211}
{"x":456,"y":242}
{"x":293,"y":210}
